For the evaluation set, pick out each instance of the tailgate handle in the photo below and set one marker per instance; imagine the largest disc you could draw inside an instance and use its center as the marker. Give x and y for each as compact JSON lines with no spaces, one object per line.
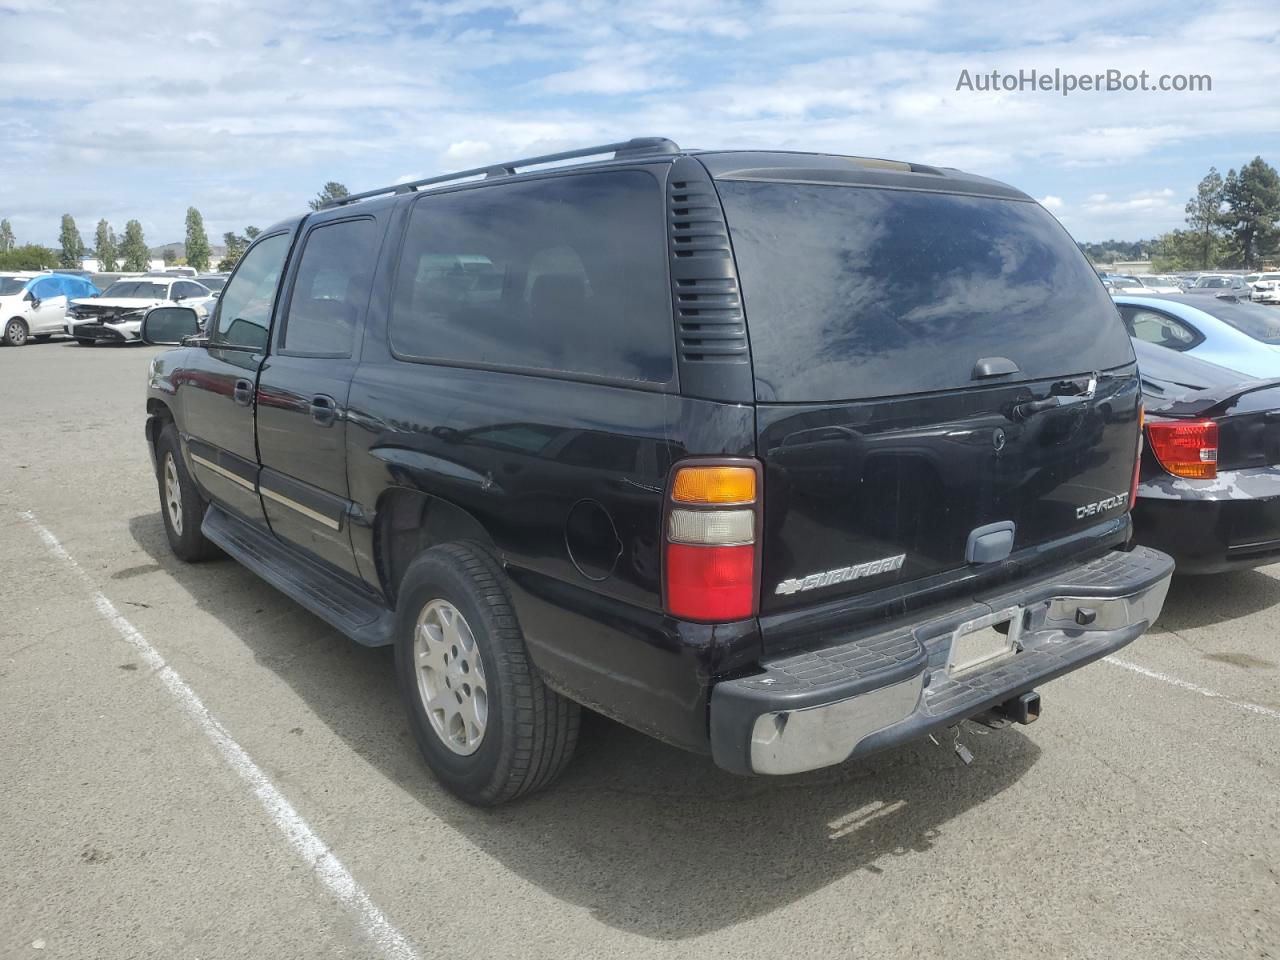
{"x":993,"y":367}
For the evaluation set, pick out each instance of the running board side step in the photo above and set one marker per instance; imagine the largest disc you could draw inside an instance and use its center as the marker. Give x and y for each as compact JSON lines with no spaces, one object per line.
{"x":330,"y":597}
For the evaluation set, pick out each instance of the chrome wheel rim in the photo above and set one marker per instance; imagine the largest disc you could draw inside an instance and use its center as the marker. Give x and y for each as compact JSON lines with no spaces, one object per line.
{"x":450,"y":673}
{"x":17,"y":334}
{"x":173,"y":493}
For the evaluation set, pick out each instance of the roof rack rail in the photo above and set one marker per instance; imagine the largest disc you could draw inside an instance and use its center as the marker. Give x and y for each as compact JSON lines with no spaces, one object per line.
{"x":636,"y":147}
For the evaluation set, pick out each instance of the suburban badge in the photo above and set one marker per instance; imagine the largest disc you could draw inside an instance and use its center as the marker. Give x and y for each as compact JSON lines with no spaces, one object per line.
{"x":841,"y":574}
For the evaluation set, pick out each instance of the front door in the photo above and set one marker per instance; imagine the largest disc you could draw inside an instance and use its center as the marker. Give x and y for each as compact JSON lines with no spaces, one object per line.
{"x":303,"y":387}
{"x":218,"y":388}
{"x":49,"y":307}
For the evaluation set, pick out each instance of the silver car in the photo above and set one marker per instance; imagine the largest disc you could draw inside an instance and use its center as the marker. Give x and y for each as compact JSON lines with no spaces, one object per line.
{"x":1226,"y":330}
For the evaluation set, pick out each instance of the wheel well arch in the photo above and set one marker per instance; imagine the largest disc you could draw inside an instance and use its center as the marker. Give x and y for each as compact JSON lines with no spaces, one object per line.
{"x":158,"y":414}
{"x":409,"y":522}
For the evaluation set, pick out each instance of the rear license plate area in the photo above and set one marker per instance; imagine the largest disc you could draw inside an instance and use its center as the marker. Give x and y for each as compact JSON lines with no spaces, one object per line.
{"x":983,"y":642}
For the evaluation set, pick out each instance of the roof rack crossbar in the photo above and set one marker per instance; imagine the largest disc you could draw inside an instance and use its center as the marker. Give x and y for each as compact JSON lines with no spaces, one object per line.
{"x":638,"y":146}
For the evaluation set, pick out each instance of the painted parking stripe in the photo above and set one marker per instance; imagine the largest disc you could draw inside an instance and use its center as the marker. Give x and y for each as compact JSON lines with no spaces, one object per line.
{"x":310,"y":847}
{"x":1193,"y":688}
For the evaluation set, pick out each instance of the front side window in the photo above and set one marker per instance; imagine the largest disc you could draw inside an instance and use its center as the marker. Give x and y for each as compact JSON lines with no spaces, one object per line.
{"x":562,"y":274}
{"x":331,"y":289}
{"x":185,"y":290}
{"x":11,"y":286}
{"x":46,"y":288}
{"x":244,"y":311}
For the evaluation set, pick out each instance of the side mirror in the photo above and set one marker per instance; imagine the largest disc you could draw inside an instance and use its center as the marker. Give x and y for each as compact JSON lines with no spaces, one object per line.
{"x":169,"y":326}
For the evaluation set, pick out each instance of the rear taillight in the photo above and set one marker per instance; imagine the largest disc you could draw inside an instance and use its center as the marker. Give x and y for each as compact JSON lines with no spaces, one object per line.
{"x":712,"y":534}
{"x":1137,"y":460}
{"x":1186,"y":448}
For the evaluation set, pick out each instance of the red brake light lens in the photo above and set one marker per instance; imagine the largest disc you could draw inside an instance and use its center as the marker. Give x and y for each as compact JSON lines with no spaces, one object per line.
{"x":1186,"y":448}
{"x":711,"y":583}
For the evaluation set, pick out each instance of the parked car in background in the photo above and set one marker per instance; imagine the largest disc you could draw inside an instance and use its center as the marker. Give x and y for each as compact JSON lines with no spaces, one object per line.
{"x":1157,"y":283}
{"x":1226,"y":330}
{"x":1216,"y":283}
{"x":1209,"y":484}
{"x":1266,"y":288}
{"x":214,"y":281}
{"x":563,"y":435}
{"x":34,"y":304}
{"x":116,"y":314}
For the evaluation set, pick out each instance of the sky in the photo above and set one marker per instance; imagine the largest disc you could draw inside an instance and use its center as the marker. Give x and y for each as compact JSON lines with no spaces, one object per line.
{"x":244,"y":108}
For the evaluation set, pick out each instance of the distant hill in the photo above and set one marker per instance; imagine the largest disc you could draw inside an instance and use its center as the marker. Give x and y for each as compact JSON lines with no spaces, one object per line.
{"x":216,"y":250}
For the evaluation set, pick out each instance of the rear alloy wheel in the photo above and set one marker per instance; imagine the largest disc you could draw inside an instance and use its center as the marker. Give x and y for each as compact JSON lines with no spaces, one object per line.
{"x":451,"y":677}
{"x":487,"y":725}
{"x":15,"y":333}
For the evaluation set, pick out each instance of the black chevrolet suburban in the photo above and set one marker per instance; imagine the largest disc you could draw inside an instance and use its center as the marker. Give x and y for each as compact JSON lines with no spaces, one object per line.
{"x":779,"y":457}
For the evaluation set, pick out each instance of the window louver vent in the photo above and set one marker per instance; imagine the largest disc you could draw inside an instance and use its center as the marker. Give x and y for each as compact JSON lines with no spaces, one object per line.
{"x":707,"y":300}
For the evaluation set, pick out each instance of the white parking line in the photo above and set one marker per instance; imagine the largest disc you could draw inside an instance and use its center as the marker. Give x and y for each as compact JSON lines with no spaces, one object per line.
{"x":313,"y":850}
{"x":1184,"y":685}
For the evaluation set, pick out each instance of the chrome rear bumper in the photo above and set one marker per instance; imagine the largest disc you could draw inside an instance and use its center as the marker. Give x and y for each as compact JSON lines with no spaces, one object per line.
{"x":825,"y":706}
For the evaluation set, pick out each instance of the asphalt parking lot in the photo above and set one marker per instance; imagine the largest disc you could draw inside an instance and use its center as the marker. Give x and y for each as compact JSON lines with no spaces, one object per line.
{"x":285,"y":812}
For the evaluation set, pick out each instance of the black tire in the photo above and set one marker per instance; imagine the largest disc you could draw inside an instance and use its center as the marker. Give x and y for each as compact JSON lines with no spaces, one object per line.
{"x":84,"y":342}
{"x":185,"y":538}
{"x":15,"y":332}
{"x":531,"y":730}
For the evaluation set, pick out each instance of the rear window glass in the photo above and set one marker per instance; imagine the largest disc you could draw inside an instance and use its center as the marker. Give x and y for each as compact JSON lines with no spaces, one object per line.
{"x":1251,"y":319}
{"x":564,"y":274}
{"x":854,"y":292}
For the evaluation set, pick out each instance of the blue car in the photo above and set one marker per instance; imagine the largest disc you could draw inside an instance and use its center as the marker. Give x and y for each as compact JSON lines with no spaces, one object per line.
{"x":1228,"y":330}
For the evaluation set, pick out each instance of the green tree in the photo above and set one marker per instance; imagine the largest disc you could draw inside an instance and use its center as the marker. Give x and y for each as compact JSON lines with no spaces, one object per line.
{"x":104,"y":244}
{"x":133,"y":250}
{"x":1183,"y":250}
{"x":1253,"y":205}
{"x":7,"y":241}
{"x":236,"y":246}
{"x":332,"y":191}
{"x":1204,"y":217}
{"x":197,"y":247}
{"x":28,"y":257}
{"x":72,"y":244}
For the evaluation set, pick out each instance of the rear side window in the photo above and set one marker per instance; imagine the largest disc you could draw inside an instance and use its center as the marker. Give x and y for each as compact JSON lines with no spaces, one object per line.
{"x":854,"y":292}
{"x":331,"y":289}
{"x":1159,"y":328}
{"x":563,"y":274}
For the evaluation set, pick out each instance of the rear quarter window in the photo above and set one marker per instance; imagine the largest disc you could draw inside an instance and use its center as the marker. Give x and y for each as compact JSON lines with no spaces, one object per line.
{"x":566,"y":274}
{"x":856,"y":292}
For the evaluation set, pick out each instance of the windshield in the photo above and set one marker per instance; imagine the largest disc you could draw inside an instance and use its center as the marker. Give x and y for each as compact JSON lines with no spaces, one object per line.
{"x":12,"y":286}
{"x":214,"y":283}
{"x":137,"y":290}
{"x":1213,"y":282}
{"x":1252,"y":319}
{"x":855,"y":292}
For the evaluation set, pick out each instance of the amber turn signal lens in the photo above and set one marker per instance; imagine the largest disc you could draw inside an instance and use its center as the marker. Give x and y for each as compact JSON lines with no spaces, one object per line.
{"x":714,"y":485}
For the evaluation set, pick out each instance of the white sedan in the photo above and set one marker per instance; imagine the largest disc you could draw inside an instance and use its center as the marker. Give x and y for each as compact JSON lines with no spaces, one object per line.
{"x":116,"y":315}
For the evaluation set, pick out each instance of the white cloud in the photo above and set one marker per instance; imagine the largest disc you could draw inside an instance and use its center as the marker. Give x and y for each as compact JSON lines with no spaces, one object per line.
{"x":275,"y":97}
{"x":1050,"y":202}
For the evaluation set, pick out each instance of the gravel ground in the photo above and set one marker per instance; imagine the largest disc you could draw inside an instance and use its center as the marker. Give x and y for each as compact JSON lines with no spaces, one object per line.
{"x":1140,"y":817}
